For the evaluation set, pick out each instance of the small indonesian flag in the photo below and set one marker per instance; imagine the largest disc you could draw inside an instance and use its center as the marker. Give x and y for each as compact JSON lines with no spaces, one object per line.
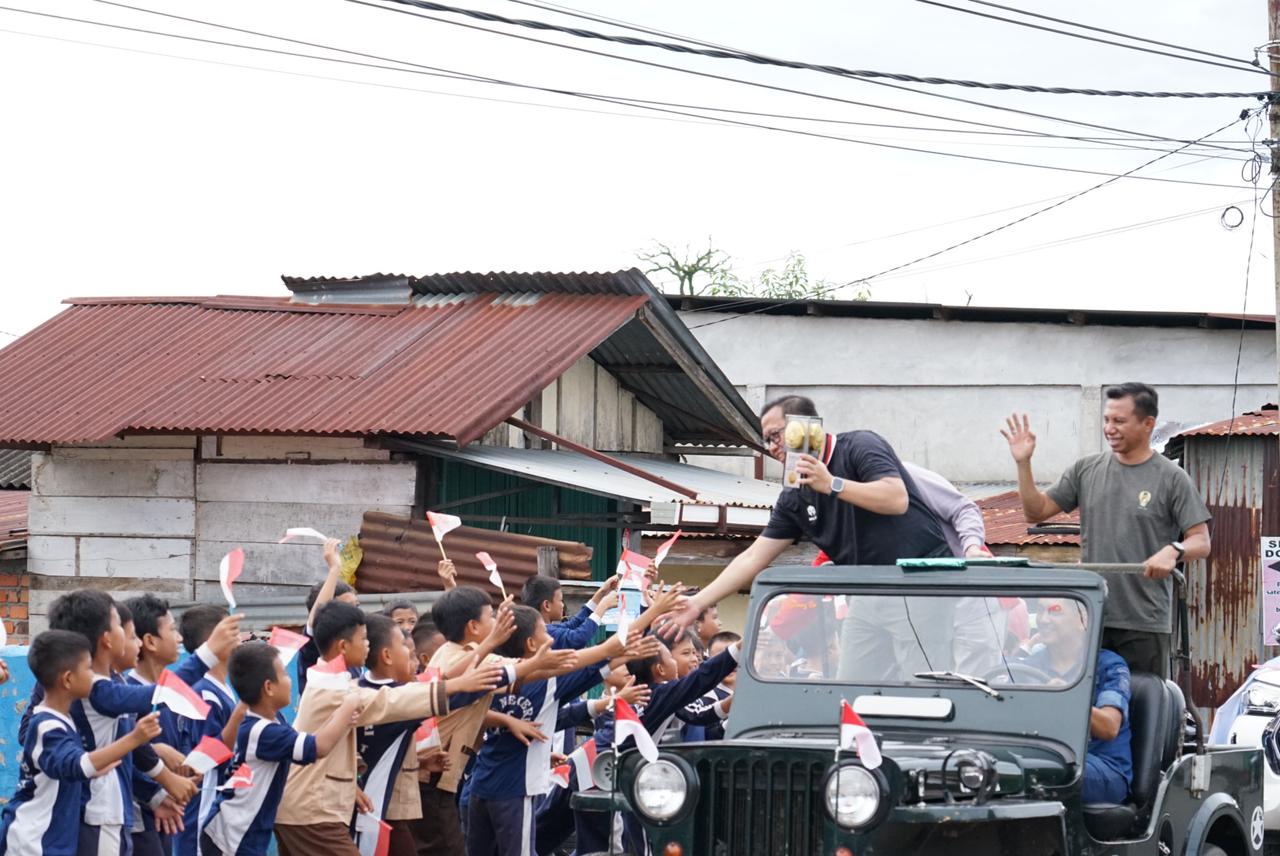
{"x":210,"y":752}
{"x":631,"y":568}
{"x":229,"y":570}
{"x":665,"y":547}
{"x":492,"y":567}
{"x":429,"y":675}
{"x":174,"y":693}
{"x":855,"y":734}
{"x":427,"y":736}
{"x":287,"y":643}
{"x":241,"y":778}
{"x":628,"y":724}
{"x":442,"y":524}
{"x":582,"y":759}
{"x":560,"y":775}
{"x":303,"y":532}
{"x":373,"y":835}
{"x":624,"y":620}
{"x":330,"y":674}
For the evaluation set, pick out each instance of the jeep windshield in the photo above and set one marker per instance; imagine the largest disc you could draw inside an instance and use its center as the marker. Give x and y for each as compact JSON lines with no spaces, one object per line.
{"x":922,"y":639}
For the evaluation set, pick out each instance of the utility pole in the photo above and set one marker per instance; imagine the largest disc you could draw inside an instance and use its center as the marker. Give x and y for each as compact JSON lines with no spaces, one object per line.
{"x":1273,"y":113}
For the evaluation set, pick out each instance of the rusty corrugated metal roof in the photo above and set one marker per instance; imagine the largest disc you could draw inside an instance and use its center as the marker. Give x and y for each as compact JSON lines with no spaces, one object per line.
{"x":401,"y":554}
{"x":1258,"y":423}
{"x":263,"y":365}
{"x":13,"y":517}
{"x":1002,"y":515}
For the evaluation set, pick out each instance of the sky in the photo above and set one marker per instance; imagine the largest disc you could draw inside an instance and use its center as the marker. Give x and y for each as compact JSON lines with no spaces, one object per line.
{"x":140,"y":164}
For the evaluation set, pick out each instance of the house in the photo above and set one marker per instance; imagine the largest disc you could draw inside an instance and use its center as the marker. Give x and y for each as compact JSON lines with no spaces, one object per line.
{"x":169,"y":430}
{"x":15,"y":491}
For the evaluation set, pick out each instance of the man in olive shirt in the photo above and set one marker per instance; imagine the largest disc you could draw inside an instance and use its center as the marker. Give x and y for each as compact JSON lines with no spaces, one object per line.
{"x":1136,"y":507}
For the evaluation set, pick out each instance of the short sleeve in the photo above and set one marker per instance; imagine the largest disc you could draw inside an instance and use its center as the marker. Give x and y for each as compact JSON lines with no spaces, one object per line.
{"x":1066,"y":493}
{"x":1188,"y":507}
{"x":784,"y":520}
{"x":279,"y":742}
{"x":867,"y":457}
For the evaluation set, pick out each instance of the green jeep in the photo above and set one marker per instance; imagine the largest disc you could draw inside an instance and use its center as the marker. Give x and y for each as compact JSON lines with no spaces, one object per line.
{"x":978,"y":683}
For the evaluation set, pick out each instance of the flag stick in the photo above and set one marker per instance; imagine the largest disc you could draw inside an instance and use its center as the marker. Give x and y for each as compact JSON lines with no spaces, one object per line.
{"x":440,"y":543}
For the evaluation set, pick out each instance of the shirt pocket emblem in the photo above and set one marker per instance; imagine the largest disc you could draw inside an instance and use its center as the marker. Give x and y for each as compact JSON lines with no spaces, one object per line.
{"x":1144,"y":498}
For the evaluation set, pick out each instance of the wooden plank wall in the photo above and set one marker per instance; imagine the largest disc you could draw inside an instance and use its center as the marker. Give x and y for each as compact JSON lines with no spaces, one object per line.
{"x":159,"y":513}
{"x":587,"y":405}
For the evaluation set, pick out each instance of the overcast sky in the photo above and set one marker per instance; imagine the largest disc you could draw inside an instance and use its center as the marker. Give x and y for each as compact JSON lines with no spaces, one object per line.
{"x":139,"y":164}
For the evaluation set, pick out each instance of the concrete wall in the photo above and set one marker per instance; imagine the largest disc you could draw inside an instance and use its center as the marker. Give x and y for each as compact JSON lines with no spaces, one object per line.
{"x":158,"y":513}
{"x":939,"y":390}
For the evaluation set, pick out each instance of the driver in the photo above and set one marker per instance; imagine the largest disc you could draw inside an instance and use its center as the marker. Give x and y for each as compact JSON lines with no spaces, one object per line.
{"x":1108,"y":762}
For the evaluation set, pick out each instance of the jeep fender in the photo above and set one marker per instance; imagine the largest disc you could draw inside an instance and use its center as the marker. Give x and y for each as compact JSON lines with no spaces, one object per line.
{"x":1217,"y":806}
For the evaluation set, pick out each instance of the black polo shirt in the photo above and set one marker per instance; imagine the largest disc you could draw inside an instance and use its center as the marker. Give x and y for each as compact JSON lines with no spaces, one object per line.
{"x":852,"y":535}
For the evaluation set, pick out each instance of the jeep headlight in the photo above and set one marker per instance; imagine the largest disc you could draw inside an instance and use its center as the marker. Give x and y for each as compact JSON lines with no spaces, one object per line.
{"x":1263,"y":699}
{"x":661,"y":790}
{"x":854,"y":796}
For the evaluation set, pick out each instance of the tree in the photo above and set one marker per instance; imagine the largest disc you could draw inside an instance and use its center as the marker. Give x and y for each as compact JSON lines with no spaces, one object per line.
{"x":685,"y":267}
{"x":790,"y":283}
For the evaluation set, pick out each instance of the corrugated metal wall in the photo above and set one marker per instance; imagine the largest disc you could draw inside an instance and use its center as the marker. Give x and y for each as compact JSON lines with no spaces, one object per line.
{"x":457,"y":481}
{"x":1239,"y":481}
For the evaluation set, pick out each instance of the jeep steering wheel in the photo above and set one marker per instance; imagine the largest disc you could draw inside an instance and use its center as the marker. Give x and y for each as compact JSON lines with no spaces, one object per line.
{"x":1015,"y":672}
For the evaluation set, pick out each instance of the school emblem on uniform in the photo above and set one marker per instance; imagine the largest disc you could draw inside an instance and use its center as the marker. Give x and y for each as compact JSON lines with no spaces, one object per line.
{"x":813,"y":514}
{"x":1144,"y":498}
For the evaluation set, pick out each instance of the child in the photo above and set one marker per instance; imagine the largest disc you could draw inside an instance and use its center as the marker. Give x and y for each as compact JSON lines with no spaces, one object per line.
{"x":403,"y":613}
{"x":707,"y":625}
{"x":427,"y":639}
{"x":222,"y":723}
{"x":315,"y":813}
{"x":510,"y":772}
{"x":44,"y":815}
{"x":239,"y":824}
{"x":546,"y":595}
{"x":330,"y":588}
{"x":708,"y":712}
{"x":473,"y":630}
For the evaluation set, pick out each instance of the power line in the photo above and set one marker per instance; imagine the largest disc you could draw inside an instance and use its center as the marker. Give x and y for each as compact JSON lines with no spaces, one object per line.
{"x":978,"y":237}
{"x":838,"y":71}
{"x":777,"y":88}
{"x":437,"y":72}
{"x":1249,"y":65}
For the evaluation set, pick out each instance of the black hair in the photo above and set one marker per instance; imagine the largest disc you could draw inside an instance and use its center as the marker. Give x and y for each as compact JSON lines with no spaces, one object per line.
{"x":54,"y":652}
{"x":340,"y":589}
{"x":197,"y":624}
{"x":380,"y":629}
{"x":538,"y":589}
{"x":702,"y":616}
{"x":84,"y":611}
{"x":527,"y":619}
{"x":1146,"y":401}
{"x":335,"y":620}
{"x":422,"y":631}
{"x":792,"y":405}
{"x":126,"y":615}
{"x":728,"y":637}
{"x":251,"y":665}
{"x":456,"y":608}
{"x":390,"y":608}
{"x":684,"y":635}
{"x":642,"y":670}
{"x":147,"y":611}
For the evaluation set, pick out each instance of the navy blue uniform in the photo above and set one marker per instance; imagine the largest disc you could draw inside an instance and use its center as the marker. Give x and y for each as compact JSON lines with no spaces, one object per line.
{"x":383,"y":749}
{"x":704,"y":717}
{"x":222,"y":701}
{"x":577,"y":632}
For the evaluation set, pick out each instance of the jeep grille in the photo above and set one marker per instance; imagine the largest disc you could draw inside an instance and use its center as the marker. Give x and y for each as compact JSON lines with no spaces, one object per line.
{"x":760,"y":807}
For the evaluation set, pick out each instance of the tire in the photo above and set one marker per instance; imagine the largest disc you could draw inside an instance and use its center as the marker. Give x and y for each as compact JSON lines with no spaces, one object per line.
{"x":1212,"y":850}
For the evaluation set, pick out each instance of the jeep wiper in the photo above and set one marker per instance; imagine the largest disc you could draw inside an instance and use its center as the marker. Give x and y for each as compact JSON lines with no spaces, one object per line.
{"x":961,"y":678}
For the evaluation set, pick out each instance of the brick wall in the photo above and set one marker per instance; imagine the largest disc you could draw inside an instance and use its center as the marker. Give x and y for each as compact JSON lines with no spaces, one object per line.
{"x":15,"y":593}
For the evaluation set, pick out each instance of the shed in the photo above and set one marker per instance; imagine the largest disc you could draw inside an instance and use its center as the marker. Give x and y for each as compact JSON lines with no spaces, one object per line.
{"x":1008,"y":533}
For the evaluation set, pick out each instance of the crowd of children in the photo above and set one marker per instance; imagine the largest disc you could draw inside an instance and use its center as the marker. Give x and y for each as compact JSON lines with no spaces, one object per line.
{"x":411,"y":737}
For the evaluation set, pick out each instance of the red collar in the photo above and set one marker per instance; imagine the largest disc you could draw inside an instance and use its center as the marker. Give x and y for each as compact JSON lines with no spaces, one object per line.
{"x":830,"y":449}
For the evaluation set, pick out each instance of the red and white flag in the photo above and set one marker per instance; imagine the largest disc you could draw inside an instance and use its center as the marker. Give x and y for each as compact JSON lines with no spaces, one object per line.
{"x":560,"y":775}
{"x":665,"y":547}
{"x":492,"y":567}
{"x":303,"y":532}
{"x":624,"y":620}
{"x":330,"y":674}
{"x":287,"y":643}
{"x":854,"y":734}
{"x":373,"y":834}
{"x":229,"y":570}
{"x":210,"y":752}
{"x":427,"y":736}
{"x":173,"y":692}
{"x":631,"y":568}
{"x":582,"y":759}
{"x":442,"y":524}
{"x":241,"y":778}
{"x":628,"y":724}
{"x":429,"y":675}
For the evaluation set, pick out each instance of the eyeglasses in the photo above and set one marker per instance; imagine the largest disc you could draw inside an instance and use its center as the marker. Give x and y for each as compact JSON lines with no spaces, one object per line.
{"x":773,"y":437}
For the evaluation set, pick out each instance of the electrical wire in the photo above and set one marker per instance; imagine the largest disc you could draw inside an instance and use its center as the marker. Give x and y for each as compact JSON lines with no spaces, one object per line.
{"x":1249,"y":64}
{"x":838,"y":71}
{"x":437,"y":72}
{"x":777,"y":88}
{"x":989,"y":232}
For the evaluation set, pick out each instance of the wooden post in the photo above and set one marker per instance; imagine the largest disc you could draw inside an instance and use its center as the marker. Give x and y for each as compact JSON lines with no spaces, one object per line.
{"x":549,"y":562}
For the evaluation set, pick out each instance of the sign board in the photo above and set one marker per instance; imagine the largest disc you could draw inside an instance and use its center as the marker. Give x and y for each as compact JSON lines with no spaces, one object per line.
{"x":1270,"y":588}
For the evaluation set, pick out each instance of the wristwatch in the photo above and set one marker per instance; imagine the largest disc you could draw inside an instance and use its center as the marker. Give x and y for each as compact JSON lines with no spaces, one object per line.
{"x":837,"y":485}
{"x":1180,"y":547}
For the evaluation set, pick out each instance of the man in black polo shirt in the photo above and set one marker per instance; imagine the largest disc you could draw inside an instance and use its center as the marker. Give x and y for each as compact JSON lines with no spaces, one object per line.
{"x":859,"y":504}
